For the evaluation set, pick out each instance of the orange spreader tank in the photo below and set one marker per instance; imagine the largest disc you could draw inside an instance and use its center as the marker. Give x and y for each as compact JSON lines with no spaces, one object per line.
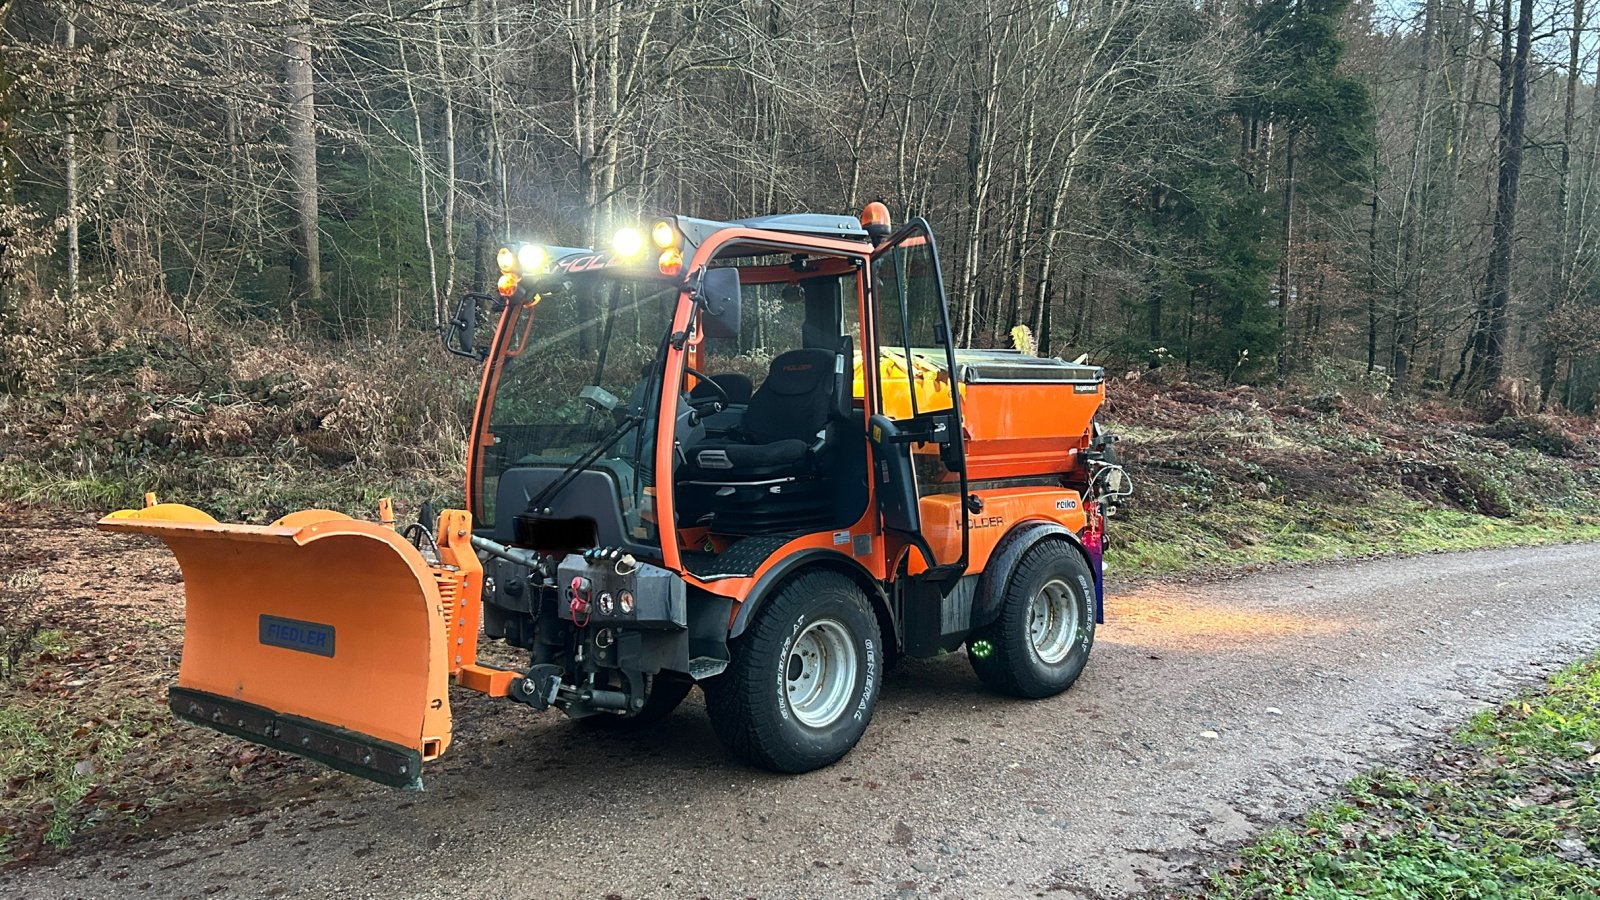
{"x":1024,"y":416}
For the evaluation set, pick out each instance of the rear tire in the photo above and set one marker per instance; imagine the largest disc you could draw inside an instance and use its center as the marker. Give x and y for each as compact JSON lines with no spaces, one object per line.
{"x":803,"y":682}
{"x":1040,"y":642}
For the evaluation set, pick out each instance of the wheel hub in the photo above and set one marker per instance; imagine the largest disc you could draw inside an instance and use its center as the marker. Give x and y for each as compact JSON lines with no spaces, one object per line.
{"x":820,"y":673}
{"x":1053,"y":621}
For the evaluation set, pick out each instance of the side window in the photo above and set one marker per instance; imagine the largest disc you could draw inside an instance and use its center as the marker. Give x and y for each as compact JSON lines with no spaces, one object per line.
{"x":913,"y":369}
{"x":806,"y":312}
{"x":772,"y":323}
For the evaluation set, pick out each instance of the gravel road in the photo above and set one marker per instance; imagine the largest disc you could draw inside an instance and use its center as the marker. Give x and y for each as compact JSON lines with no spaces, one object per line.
{"x":1207,"y":712}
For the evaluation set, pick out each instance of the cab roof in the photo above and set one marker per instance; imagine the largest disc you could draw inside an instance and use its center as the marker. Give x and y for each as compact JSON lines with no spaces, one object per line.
{"x":811,"y":224}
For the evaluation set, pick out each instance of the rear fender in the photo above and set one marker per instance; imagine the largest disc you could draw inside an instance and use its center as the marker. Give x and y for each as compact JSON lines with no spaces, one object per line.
{"x":821,"y":558}
{"x":1003,"y":561}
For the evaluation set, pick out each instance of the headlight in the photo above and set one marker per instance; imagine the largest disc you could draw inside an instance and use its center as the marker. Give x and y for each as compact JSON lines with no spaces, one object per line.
{"x":532,"y":258}
{"x":506,"y":259}
{"x":664,"y":234}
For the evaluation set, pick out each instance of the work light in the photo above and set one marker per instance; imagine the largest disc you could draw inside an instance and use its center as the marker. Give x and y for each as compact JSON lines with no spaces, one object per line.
{"x":532,"y":258}
{"x":628,"y":242}
{"x":664,"y":234}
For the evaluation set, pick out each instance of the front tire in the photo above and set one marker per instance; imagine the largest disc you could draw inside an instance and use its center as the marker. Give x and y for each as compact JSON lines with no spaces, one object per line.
{"x":1040,"y":642}
{"x":803,"y":681}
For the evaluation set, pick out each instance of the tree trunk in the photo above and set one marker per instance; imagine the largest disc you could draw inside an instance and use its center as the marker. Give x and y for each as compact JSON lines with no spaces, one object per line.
{"x":984,"y":98}
{"x":1497,"y":290}
{"x":1021,"y":230}
{"x":10,"y":260}
{"x":1285,"y":265}
{"x":303,"y":155}
{"x":1414,"y":216}
{"x":1372,"y":277}
{"x":73,"y":199}
{"x":442,"y":297}
{"x":1561,"y":289}
{"x":421,"y":149}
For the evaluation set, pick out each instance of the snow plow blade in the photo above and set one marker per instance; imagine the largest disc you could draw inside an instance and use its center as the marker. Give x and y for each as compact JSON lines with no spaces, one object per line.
{"x":319,"y":635}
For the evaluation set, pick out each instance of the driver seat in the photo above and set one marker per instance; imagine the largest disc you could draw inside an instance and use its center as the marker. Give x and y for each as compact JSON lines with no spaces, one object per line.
{"x":787,"y":425}
{"x":768,"y":472}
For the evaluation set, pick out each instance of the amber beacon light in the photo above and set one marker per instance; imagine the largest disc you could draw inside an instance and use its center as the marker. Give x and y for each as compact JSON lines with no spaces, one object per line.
{"x":875,"y":219}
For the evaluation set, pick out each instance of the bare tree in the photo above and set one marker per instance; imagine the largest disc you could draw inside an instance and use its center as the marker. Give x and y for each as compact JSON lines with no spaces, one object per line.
{"x":1497,"y":290}
{"x":299,"y":80}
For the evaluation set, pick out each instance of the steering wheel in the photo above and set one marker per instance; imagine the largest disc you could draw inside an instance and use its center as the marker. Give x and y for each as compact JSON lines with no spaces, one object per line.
{"x":722,"y":395}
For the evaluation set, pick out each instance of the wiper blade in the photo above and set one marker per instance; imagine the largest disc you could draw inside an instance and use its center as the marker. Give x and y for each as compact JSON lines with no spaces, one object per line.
{"x":542,"y":499}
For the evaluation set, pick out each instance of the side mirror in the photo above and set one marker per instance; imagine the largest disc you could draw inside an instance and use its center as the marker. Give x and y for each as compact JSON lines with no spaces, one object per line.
{"x":460,"y":336}
{"x":720,"y":303}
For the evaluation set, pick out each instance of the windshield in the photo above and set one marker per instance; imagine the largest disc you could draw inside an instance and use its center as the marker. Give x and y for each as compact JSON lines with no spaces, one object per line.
{"x":578,"y":361}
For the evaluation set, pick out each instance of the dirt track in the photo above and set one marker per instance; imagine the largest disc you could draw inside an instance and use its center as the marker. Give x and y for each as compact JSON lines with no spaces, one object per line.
{"x":1207,"y":712}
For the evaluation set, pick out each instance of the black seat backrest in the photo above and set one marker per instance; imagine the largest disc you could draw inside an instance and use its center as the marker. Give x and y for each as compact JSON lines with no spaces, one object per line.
{"x":796,"y":400}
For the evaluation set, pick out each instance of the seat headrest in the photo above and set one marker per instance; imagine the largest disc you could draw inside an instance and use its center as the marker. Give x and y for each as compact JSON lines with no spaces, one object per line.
{"x":799,"y":371}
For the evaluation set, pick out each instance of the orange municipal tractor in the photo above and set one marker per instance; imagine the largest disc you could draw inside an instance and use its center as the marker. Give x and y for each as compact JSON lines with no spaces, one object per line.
{"x":746,"y":455}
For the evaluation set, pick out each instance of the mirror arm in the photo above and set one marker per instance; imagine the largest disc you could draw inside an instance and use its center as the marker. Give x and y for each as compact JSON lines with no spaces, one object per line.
{"x":680,"y":338}
{"x":696,"y":281}
{"x":696,"y":300}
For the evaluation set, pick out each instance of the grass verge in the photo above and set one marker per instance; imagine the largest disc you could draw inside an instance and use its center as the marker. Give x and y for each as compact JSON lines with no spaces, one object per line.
{"x":55,"y":755}
{"x":1510,"y":807}
{"x":1256,"y":532}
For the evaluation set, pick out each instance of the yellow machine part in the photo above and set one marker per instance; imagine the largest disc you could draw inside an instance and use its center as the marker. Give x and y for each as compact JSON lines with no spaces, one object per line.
{"x":320,"y":634}
{"x":931,"y":380}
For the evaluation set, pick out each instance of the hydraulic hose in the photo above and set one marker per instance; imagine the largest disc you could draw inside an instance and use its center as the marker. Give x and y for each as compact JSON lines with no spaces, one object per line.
{"x":515,"y":555}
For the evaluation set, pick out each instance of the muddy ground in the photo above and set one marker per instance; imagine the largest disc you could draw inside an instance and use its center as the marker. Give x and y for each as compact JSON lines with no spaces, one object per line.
{"x":1208,"y":712}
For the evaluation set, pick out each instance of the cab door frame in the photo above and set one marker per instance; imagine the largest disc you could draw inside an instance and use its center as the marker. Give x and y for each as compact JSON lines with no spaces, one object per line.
{"x":892,"y":440}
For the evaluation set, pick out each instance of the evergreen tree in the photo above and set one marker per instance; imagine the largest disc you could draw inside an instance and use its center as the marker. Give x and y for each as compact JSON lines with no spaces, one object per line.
{"x":1294,"y":100}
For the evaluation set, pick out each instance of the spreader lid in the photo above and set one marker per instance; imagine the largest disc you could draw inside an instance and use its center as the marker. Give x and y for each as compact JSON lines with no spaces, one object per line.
{"x":979,"y":366}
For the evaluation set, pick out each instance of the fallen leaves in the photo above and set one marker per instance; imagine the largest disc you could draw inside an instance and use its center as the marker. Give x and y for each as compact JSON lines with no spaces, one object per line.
{"x":98,"y":757}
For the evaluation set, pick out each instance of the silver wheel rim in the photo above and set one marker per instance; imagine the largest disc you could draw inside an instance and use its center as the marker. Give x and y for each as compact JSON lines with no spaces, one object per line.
{"x":1053,"y":621}
{"x":820,"y":673}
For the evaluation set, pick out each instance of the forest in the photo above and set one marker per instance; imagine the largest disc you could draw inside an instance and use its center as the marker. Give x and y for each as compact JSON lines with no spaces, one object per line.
{"x":1407,"y":195}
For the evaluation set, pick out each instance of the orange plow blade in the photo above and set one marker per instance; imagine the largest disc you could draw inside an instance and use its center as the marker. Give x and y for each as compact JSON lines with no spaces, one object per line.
{"x":320,"y":635}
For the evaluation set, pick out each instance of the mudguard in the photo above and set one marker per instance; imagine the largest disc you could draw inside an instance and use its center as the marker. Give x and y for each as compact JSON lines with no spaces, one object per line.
{"x":992,"y":584}
{"x":319,"y":634}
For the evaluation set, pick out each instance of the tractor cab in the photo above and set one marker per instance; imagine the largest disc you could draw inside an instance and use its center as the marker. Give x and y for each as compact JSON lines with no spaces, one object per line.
{"x":703,"y":402}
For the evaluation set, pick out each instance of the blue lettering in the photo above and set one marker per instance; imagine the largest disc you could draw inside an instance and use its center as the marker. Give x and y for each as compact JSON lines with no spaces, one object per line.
{"x":291,"y":634}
